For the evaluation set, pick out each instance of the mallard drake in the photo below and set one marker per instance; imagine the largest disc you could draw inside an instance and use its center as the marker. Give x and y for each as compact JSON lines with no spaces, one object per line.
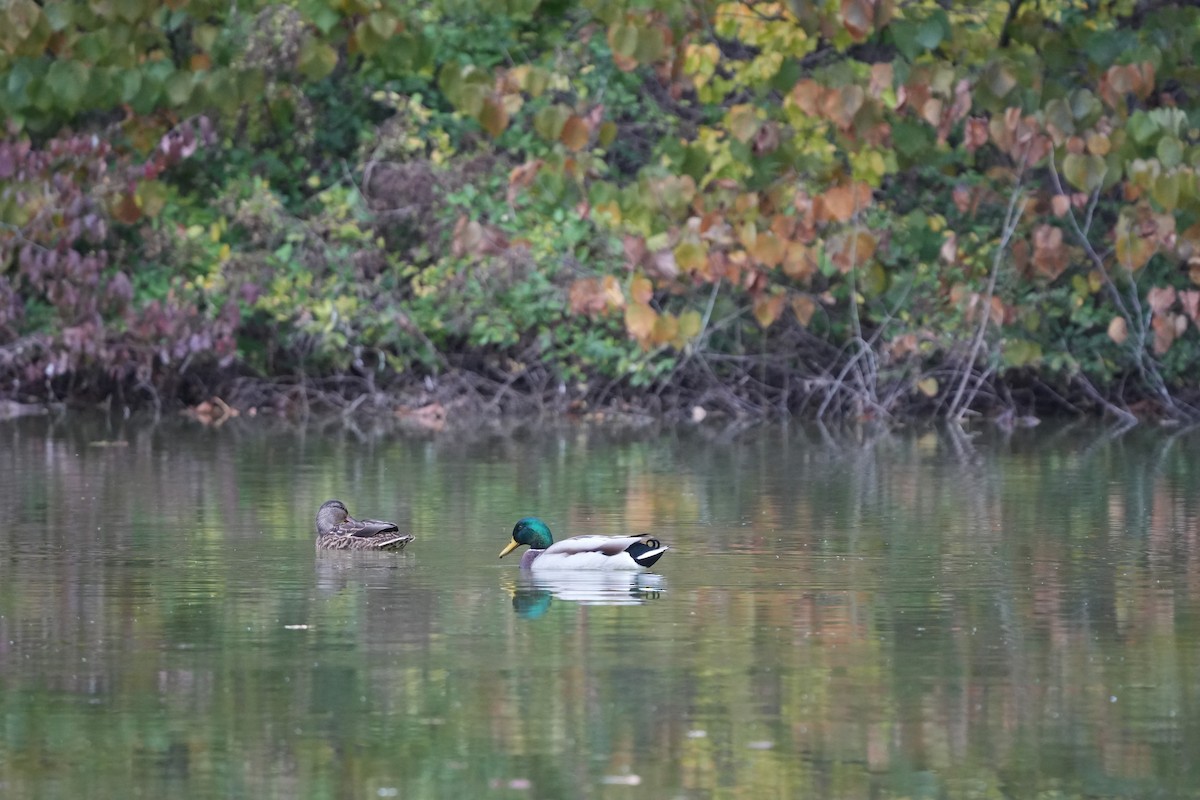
{"x":337,"y":530}
{"x":581,"y":552}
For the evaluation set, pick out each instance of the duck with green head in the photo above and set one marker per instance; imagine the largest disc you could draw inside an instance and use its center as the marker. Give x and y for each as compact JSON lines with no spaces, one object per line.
{"x":337,"y":530}
{"x":581,"y":552}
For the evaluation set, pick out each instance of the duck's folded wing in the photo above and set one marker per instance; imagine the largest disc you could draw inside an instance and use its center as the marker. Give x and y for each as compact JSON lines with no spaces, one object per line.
{"x":604,"y":545}
{"x":373,"y":527}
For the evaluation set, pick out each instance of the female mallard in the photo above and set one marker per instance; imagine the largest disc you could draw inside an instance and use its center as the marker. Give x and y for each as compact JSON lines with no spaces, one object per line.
{"x":337,"y":530}
{"x":581,"y":552}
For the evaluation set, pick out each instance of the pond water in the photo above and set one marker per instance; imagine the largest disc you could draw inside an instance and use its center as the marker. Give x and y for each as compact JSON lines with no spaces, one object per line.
{"x":899,"y":615}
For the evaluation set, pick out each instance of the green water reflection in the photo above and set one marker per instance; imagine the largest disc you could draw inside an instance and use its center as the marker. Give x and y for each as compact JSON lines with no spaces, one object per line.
{"x":918,"y":615}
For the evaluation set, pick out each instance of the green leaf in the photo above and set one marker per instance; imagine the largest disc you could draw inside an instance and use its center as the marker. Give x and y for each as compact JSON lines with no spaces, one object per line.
{"x":1084,"y":172}
{"x":999,"y":79}
{"x":1085,"y":106}
{"x":1165,"y":191}
{"x":1142,"y":127}
{"x":129,"y":83}
{"x":130,"y":10}
{"x":1021,"y":353}
{"x":19,"y":78}
{"x":904,"y":35}
{"x":932,"y":30}
{"x":59,"y":15}
{"x":1058,"y":114}
{"x":1169,"y":151}
{"x":316,"y":59}
{"x":179,"y":87}
{"x":623,"y":38}
{"x":205,"y":36}
{"x":68,"y":81}
{"x":322,"y":13}
{"x":549,"y":121}
{"x":650,"y":45}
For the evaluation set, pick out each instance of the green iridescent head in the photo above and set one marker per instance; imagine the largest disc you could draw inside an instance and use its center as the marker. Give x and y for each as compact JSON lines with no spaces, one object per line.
{"x":531,"y":531}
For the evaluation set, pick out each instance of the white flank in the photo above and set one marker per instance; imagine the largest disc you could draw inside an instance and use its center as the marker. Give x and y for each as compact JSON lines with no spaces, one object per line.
{"x":589,"y":552}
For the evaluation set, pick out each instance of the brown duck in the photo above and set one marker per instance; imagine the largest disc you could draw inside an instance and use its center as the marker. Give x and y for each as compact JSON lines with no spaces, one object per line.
{"x":337,"y":530}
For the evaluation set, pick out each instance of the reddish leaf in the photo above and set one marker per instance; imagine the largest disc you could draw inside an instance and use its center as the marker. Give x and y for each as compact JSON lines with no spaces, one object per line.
{"x":1050,"y":256}
{"x":521,"y":177}
{"x":1118,"y":330}
{"x":1190,"y":300}
{"x":975,"y":134}
{"x":1160,"y":298}
{"x":575,"y":133}
{"x":857,"y":18}
{"x":1165,"y":332}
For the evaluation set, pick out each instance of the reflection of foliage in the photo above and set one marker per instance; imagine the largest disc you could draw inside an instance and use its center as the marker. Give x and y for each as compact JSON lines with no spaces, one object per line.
{"x":853,"y":208}
{"x":870,"y":614}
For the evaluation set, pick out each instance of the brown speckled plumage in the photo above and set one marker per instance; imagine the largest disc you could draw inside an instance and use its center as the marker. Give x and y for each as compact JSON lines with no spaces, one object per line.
{"x":337,"y":530}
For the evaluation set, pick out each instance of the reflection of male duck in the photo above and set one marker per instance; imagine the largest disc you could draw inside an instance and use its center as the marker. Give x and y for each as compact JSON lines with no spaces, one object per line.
{"x":532,"y":594}
{"x":581,"y":552}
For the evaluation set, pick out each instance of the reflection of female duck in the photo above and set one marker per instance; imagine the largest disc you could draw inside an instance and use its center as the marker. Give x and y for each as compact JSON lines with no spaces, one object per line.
{"x":582,"y":552}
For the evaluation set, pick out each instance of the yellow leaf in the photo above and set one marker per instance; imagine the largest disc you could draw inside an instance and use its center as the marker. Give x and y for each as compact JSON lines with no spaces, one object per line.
{"x":767,"y":309}
{"x":639,"y":321}
{"x":666,"y":329}
{"x":690,"y":256}
{"x":689,"y":325}
{"x":743,"y":122}
{"x":799,"y":262}
{"x":640,"y":289}
{"x":928,"y":387}
{"x":612,"y":292}
{"x":608,"y":133}
{"x":768,"y":249}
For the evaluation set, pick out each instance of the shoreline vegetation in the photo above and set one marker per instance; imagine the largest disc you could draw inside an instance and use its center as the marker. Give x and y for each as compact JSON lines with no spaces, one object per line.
{"x":869,"y":210}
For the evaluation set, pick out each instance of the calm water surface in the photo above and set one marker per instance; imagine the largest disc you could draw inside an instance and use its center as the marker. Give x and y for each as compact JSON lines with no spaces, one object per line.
{"x":910,"y":615}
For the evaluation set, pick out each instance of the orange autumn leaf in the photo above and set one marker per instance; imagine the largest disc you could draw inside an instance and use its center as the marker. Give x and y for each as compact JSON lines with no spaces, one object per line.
{"x":767,"y":309}
{"x":803,"y":307}
{"x":575,"y":133}
{"x":1165,"y":331}
{"x":666,"y":329}
{"x":840,"y":203}
{"x":639,"y":321}
{"x":799,"y":262}
{"x":768,"y":249}
{"x":493,"y":117}
{"x":640,"y":289}
{"x":807,"y":95}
